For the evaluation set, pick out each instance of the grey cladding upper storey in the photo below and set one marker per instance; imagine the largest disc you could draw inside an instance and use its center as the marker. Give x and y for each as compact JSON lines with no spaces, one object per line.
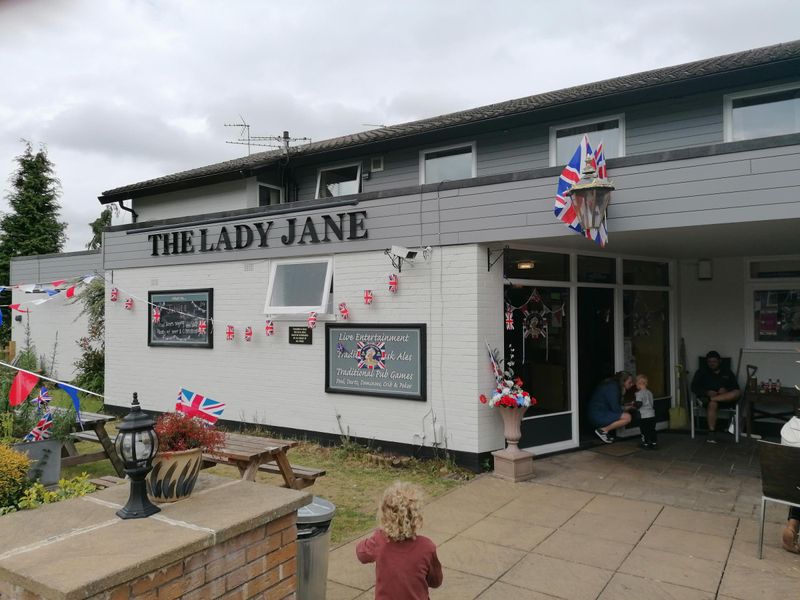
{"x":50,"y":267}
{"x":770,"y":56}
{"x":733,"y":187}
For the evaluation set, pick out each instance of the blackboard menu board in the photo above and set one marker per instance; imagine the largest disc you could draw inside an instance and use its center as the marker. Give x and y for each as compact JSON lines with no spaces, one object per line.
{"x":376,"y":360}
{"x":185,"y":318}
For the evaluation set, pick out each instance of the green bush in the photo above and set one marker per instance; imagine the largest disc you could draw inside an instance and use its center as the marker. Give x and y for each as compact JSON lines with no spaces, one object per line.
{"x":13,"y":475}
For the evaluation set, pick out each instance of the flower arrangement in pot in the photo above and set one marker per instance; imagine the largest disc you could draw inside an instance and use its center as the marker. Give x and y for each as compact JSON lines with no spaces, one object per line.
{"x":508,"y":396}
{"x":182,"y":439}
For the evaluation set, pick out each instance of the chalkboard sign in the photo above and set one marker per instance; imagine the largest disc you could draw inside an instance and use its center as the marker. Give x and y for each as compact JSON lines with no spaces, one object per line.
{"x":376,"y":360}
{"x":185,"y":318}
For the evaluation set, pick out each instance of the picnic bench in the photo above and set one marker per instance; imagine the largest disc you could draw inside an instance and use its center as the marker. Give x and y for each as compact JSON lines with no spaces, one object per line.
{"x":94,"y":430}
{"x":251,"y":454}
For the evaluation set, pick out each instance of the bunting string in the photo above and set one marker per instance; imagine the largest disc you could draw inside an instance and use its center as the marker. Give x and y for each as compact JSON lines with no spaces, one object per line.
{"x":5,"y":364}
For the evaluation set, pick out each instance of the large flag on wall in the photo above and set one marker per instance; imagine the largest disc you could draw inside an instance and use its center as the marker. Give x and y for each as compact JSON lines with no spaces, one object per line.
{"x":564,"y":210}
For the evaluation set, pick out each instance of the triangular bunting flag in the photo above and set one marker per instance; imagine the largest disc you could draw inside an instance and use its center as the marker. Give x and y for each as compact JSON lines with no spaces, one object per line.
{"x":70,"y":291}
{"x":24,"y":382}
{"x":55,"y":284}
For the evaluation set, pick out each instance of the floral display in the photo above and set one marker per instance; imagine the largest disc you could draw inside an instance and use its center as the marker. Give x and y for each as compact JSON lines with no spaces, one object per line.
{"x":508,"y":391}
{"x":178,"y":431}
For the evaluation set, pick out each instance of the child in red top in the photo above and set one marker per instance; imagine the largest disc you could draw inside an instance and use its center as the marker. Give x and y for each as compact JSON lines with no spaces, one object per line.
{"x":406,"y":564}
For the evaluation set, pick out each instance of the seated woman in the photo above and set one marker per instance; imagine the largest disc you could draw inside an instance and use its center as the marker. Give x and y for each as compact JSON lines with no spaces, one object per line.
{"x":605,"y":407}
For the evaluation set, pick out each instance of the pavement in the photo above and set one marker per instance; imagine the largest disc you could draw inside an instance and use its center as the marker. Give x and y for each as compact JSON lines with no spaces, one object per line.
{"x":611,"y":522}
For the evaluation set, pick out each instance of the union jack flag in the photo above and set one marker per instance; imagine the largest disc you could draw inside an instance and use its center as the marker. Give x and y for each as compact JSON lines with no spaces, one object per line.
{"x":114,"y":294}
{"x":371,"y":355}
{"x":312,"y":320}
{"x":202,"y":327}
{"x":128,"y":303}
{"x":229,"y":333}
{"x":367,"y":296}
{"x":42,"y":400}
{"x":269,"y":328}
{"x":509,"y":318}
{"x":248,"y":333}
{"x":393,"y":283}
{"x":564,"y":209}
{"x":344,"y":311}
{"x":42,"y":429}
{"x":156,"y":315}
{"x":199,"y":406}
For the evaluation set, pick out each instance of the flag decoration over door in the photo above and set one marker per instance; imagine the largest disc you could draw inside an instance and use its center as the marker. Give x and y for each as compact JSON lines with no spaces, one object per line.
{"x":199,"y":406}
{"x":367,"y":296}
{"x":269,"y":328}
{"x":229,"y":333}
{"x":564,"y":209}
{"x":248,"y":333}
{"x":393,"y":283}
{"x":156,"y":315}
{"x":312,"y":320}
{"x":114,"y":295}
{"x":129,"y":304}
{"x":202,"y":327}
{"x":344,"y":311}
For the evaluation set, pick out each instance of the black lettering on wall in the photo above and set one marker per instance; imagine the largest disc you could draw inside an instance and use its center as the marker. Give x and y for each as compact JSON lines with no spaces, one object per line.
{"x":244,"y":236}
{"x":309,"y":230}
{"x":334,"y":228}
{"x":289,"y":238}
{"x":357,"y":223}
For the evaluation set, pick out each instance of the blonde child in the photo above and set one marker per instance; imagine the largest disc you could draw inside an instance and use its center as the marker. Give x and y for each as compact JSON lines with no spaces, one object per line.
{"x":406,"y":564}
{"x":647,"y":423}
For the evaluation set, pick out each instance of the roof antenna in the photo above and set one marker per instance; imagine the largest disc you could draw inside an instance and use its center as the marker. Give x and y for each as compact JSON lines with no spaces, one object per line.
{"x":265,"y":141}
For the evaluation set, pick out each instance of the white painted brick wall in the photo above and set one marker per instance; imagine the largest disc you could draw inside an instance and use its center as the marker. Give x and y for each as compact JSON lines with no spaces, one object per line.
{"x":272,"y":382}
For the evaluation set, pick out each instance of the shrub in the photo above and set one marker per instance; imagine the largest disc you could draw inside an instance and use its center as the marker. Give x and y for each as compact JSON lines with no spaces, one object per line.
{"x":13,"y":475}
{"x":37,"y":494}
{"x":178,"y":431}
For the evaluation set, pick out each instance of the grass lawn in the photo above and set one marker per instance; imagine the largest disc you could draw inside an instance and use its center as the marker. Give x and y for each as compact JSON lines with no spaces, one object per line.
{"x":353,"y":483}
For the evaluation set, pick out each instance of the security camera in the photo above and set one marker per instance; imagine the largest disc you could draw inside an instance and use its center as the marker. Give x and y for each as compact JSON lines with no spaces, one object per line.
{"x":404,"y":253}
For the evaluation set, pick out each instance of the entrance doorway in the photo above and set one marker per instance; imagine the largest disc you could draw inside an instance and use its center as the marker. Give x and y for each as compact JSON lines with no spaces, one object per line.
{"x":595,"y":347}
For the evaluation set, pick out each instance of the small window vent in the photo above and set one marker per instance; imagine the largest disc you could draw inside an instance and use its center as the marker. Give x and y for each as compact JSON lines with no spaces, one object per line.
{"x":376,"y":164}
{"x":248,"y":266}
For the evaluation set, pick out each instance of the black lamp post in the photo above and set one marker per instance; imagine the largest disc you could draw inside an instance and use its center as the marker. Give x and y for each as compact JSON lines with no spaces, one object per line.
{"x":590,"y":197}
{"x":137,"y":444}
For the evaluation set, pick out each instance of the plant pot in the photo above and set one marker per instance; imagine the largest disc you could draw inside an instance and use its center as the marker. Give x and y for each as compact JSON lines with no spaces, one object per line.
{"x":512,"y":463}
{"x":45,"y":458}
{"x":174,"y":475}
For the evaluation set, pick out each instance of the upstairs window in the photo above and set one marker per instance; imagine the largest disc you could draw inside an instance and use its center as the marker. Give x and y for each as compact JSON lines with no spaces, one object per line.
{"x":269,"y":195}
{"x":447,"y":164}
{"x":299,"y":286}
{"x":564,"y":139}
{"x":763,"y":113}
{"x":339,"y":181}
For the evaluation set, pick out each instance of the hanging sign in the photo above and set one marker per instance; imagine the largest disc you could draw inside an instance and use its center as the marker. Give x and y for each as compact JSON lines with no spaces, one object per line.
{"x":185,"y":318}
{"x":376,"y":360}
{"x":300,"y":335}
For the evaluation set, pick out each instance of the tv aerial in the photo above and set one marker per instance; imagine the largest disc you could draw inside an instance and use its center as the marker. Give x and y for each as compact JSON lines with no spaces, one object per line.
{"x":265,"y":141}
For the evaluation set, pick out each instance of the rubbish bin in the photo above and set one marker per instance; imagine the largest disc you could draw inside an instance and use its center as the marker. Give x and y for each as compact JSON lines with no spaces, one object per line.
{"x":313,"y":539}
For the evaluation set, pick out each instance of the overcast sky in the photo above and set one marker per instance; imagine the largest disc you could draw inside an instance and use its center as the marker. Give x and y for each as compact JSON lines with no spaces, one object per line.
{"x":122,"y":90}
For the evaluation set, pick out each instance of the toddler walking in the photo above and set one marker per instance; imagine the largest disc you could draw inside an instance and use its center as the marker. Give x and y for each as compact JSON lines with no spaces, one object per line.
{"x":647,"y":423}
{"x":406,"y":564}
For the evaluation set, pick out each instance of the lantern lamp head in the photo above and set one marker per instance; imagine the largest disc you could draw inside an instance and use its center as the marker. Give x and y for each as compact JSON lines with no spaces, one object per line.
{"x":590,"y":197}
{"x":137,"y":444}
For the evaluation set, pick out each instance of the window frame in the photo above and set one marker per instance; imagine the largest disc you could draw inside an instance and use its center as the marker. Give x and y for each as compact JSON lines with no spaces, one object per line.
{"x":620,"y":118}
{"x":334,"y":168}
{"x":323,"y":308}
{"x":756,"y":284}
{"x":473,"y":146}
{"x":272,"y":187}
{"x":727,"y":104}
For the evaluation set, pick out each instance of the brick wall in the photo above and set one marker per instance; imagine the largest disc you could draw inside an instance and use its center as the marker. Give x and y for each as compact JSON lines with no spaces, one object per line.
{"x":259,"y":565}
{"x":271,"y":382}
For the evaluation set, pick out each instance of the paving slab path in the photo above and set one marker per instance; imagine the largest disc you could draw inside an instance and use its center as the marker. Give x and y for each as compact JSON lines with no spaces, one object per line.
{"x":674,"y":524}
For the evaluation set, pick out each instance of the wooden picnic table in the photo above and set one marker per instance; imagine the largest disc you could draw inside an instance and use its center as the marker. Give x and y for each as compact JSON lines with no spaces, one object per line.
{"x":251,"y":454}
{"x":94,"y":430}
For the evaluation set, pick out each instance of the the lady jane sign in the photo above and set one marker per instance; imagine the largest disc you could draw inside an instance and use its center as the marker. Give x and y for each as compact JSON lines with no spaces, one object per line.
{"x":376,"y":360}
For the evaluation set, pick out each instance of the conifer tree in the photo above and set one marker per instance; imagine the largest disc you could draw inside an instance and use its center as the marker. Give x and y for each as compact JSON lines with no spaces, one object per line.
{"x":32,"y":225}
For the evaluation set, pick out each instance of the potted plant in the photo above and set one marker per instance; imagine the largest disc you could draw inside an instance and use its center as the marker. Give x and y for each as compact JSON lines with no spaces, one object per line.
{"x":182,"y":439}
{"x":38,"y":431}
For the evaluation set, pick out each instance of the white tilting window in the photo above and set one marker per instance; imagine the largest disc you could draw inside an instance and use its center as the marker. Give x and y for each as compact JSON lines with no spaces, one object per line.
{"x":762,"y":113}
{"x":564,"y":139}
{"x":447,"y":164}
{"x":339,"y":181}
{"x":269,"y":195}
{"x":299,"y":286}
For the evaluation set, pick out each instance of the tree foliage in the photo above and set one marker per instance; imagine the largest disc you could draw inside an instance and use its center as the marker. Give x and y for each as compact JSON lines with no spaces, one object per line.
{"x":91,"y":364}
{"x":98,"y":225}
{"x":32,"y":225}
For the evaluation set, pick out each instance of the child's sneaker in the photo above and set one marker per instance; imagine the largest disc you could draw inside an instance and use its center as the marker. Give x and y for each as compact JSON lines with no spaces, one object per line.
{"x":712,"y":437}
{"x":603,"y":436}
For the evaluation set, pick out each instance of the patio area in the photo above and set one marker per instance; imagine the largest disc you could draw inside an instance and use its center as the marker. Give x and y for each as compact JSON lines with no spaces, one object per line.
{"x":611,"y":522}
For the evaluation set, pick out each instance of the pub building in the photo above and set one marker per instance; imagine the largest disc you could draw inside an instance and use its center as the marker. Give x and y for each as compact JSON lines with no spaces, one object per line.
{"x":428,"y":235}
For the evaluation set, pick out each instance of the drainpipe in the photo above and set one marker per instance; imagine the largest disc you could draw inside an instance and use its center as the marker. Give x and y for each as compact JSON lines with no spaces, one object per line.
{"x":134,"y":214}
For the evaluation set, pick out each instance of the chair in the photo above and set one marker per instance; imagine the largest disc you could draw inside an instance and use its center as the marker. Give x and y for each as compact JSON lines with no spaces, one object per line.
{"x":725,"y":410}
{"x":780,"y":479}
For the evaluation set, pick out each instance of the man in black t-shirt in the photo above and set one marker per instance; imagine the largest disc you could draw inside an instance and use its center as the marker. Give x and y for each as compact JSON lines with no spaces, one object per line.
{"x":714,"y":386}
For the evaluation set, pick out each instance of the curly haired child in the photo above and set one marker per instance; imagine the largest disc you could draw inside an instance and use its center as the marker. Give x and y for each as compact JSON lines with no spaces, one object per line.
{"x":406,"y":564}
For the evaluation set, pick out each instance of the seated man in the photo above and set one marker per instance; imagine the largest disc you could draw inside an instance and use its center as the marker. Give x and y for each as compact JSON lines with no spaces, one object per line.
{"x":715,"y":386}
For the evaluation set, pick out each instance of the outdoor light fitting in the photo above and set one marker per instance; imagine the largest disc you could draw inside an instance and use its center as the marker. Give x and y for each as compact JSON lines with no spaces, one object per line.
{"x":136,"y":445}
{"x":525,"y":265}
{"x":398,"y":254}
{"x":590,"y":197}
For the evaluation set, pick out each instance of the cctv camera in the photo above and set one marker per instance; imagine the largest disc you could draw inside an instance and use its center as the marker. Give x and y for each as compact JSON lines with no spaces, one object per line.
{"x":404,"y":253}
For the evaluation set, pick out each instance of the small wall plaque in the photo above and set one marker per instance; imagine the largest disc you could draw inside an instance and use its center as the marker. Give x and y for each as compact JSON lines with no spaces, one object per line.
{"x":300,"y":335}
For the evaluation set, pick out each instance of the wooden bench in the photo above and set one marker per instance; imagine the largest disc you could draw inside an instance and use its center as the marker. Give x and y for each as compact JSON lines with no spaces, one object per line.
{"x":305,"y":476}
{"x":106,"y":481}
{"x":85,"y":436}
